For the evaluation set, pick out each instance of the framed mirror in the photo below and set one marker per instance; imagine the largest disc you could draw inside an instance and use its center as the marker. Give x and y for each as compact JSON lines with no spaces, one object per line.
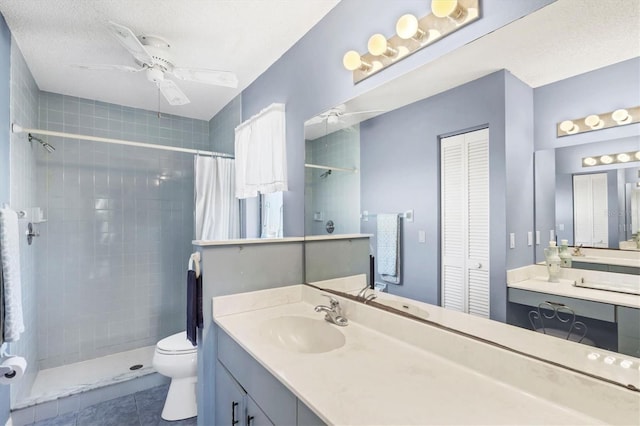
{"x":490,"y":83}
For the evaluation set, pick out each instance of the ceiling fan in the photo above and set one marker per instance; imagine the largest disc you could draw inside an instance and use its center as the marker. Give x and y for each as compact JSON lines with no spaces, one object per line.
{"x":152,"y":55}
{"x":336,"y":115}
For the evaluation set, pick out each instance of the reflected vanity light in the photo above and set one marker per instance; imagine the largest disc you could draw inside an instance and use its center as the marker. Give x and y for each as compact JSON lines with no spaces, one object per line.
{"x":594,"y":122}
{"x":569,"y":127}
{"x":606,"y":159}
{"x":619,"y":117}
{"x":412,"y":34}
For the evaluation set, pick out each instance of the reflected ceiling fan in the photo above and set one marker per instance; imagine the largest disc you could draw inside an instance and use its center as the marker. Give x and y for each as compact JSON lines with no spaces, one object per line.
{"x":337,"y":115}
{"x":152,"y":55}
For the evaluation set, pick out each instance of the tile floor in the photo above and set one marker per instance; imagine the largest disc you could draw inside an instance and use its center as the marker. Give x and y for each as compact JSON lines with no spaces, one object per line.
{"x":139,"y":409}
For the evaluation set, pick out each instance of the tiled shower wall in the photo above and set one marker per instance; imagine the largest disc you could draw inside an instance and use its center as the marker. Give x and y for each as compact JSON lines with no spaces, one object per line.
{"x":24,"y":110}
{"x":119,"y":229}
{"x":331,"y":196}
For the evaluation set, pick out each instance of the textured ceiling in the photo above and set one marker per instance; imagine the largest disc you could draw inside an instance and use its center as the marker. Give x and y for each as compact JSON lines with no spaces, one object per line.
{"x":242,"y":36}
{"x":561,"y":40}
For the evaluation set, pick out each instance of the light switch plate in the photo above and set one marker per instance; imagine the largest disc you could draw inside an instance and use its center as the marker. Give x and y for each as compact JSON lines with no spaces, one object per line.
{"x":422,"y":236}
{"x":512,"y":240}
{"x":529,"y":238}
{"x":537,"y":238}
{"x":552,"y":235}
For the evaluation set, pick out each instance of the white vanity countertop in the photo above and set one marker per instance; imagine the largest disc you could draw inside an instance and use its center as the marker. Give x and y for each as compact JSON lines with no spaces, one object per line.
{"x":534,"y":278}
{"x":567,"y":289}
{"x":244,"y":241}
{"x":336,"y":237}
{"x":609,"y":257}
{"x":390,"y":379}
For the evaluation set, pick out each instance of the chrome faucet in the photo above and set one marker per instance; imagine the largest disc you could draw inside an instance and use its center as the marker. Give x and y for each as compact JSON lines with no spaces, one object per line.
{"x":332,"y":313}
{"x":362,"y":294}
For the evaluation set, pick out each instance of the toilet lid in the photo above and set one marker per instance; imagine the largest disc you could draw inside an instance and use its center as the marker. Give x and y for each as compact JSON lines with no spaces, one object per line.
{"x":176,"y":343}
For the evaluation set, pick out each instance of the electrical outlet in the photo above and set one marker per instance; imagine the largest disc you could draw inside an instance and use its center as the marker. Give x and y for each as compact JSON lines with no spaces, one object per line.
{"x":537,"y":238}
{"x":422,"y":236}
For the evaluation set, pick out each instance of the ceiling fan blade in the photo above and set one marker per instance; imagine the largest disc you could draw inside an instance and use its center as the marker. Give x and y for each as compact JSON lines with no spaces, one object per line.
{"x":172,"y":93}
{"x":216,"y":78}
{"x":107,"y":67}
{"x":128,"y":39}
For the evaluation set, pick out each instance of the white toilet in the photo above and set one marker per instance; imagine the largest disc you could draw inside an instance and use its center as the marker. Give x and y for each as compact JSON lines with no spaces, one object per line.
{"x":177,"y":358}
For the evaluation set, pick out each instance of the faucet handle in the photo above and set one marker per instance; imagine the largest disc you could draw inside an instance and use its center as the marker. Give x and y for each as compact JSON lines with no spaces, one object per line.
{"x":332,"y":300}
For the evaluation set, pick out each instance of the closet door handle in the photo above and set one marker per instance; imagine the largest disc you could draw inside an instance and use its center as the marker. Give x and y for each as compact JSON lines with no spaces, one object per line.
{"x":249,"y":419}
{"x":233,"y":413}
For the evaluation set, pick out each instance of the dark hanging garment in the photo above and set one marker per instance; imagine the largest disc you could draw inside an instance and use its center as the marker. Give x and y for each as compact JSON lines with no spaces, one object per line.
{"x":194,"y":306}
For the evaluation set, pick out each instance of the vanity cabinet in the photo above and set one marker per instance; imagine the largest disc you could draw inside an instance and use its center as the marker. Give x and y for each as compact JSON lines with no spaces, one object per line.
{"x":605,"y":267}
{"x":248,"y":394}
{"x":233,"y":405}
{"x":628,"y":330}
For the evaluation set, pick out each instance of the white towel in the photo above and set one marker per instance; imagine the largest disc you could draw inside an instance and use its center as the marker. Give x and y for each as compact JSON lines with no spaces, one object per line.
{"x":388,"y":241}
{"x":10,"y":254}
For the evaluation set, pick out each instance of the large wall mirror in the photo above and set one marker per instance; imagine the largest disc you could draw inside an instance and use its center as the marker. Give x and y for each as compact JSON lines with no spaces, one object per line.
{"x":380,"y":153}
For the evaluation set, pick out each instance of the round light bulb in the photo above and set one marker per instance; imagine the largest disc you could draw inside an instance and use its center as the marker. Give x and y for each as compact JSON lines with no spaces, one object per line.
{"x":593,"y":121}
{"x":626,"y":363}
{"x":593,"y":356}
{"x":352,"y":61}
{"x":590,"y":161}
{"x":448,"y":9}
{"x":606,"y":159}
{"x":609,"y":360}
{"x":637,"y":155}
{"x":621,"y":116}
{"x":569,"y":126}
{"x":407,"y":27}
{"x":378,"y":45}
{"x":623,"y":158}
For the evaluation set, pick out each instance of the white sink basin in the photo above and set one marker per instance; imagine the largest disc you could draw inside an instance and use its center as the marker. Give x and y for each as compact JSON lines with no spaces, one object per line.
{"x":304,"y":335}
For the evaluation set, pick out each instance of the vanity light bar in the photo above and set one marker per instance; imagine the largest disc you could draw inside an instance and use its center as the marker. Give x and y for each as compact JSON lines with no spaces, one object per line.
{"x":412,"y":34}
{"x":606,"y":159}
{"x":619,"y":117}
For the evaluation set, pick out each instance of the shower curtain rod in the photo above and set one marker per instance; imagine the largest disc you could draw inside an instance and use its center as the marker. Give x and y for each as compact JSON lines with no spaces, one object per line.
{"x":340,"y":169}
{"x":15,"y":128}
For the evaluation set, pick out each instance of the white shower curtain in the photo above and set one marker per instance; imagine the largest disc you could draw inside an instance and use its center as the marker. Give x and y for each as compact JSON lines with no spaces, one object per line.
{"x":217,"y":212}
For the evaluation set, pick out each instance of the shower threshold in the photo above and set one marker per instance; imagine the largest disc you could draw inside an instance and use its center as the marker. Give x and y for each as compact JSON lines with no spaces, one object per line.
{"x":67,"y":380}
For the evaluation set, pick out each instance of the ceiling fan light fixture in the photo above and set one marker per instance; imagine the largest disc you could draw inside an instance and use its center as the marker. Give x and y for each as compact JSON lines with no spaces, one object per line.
{"x":155,"y":75}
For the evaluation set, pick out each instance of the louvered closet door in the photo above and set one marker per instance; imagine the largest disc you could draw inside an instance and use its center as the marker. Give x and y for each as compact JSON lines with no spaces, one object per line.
{"x":478,"y":222}
{"x":465,"y":222}
{"x":590,"y":210}
{"x":453,"y":188}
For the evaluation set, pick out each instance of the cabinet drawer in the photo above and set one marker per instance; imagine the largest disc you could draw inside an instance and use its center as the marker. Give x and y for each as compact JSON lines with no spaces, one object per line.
{"x":275,"y":400}
{"x":583,"y":308}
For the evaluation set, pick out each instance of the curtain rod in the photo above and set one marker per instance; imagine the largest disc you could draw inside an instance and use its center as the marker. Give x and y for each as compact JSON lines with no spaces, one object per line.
{"x":272,"y":107}
{"x":15,"y":128}
{"x":341,"y":169}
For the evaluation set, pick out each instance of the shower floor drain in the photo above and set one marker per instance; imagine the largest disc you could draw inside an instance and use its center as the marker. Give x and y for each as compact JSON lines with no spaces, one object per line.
{"x":135,"y":367}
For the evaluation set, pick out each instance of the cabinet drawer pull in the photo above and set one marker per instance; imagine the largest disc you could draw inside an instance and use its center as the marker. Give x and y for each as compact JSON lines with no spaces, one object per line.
{"x":249,"y":419}
{"x":233,"y":413}
{"x":554,"y":303}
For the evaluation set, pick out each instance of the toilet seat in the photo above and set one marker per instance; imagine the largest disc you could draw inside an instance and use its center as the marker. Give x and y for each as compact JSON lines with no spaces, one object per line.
{"x":176,"y":344}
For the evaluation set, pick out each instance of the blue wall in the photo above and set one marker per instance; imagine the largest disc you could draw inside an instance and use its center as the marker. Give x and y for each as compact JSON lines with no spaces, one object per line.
{"x":405,"y":175}
{"x":5,"y":66}
{"x":310,"y":77}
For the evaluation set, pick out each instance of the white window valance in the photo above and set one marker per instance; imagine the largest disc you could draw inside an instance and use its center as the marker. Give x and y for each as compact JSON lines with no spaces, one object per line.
{"x":261,"y":153}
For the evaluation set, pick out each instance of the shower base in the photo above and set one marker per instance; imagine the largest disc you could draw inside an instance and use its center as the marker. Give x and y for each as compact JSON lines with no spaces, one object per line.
{"x":71,"y":387}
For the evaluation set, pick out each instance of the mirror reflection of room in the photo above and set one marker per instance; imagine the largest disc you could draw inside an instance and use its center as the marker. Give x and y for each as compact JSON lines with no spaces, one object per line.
{"x":585,"y":212}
